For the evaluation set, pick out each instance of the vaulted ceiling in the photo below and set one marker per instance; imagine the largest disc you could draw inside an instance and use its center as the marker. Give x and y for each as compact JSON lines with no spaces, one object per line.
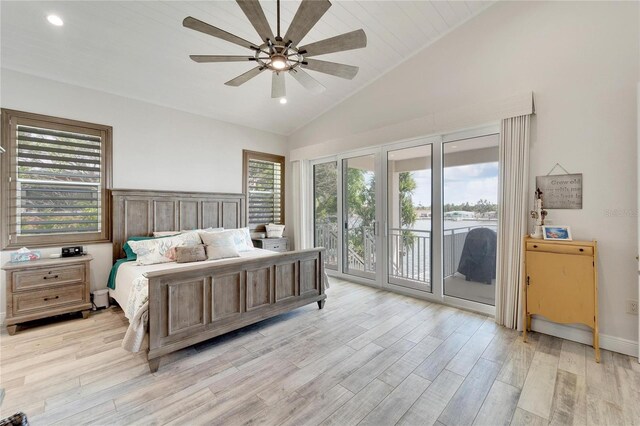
{"x":139,"y":49}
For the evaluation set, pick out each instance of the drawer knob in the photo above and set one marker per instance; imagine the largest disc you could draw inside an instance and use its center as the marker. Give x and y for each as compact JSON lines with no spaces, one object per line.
{"x":535,"y":246}
{"x":581,"y":249}
{"x":51,"y":298}
{"x":54,"y":277}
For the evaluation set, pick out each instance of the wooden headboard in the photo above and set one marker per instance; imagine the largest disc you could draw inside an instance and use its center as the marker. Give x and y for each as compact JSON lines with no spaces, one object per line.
{"x":139,"y":212}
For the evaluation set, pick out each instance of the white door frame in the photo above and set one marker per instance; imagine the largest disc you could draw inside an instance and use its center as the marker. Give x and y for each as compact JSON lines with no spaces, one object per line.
{"x":435,"y":283}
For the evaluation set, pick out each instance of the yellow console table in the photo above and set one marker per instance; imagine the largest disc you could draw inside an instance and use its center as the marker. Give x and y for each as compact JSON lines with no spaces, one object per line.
{"x":560,"y":283}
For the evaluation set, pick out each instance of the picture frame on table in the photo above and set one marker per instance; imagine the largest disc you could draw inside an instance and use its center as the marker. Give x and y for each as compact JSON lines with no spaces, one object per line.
{"x":557,"y":233}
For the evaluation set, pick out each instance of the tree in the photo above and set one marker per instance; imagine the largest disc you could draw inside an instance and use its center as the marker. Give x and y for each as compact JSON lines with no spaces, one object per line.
{"x":408,"y":215}
{"x":325,"y":192}
{"x":360,"y":202}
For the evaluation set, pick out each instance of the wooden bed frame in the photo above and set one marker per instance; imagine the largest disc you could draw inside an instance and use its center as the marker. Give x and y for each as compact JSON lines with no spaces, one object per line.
{"x":205,"y":301}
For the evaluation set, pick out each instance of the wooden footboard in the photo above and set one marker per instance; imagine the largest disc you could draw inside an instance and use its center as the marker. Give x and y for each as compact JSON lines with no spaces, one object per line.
{"x":205,"y":301}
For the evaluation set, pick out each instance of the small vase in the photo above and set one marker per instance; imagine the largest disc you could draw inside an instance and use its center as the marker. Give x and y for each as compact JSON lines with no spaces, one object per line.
{"x":537,"y":232}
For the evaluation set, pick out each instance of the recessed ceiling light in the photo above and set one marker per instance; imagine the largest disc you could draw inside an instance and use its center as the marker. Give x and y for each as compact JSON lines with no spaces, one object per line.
{"x":55,"y":20}
{"x":453,"y":146}
{"x":283,"y":101}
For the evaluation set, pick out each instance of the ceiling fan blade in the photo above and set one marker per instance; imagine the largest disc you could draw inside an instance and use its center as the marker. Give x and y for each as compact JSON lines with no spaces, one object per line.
{"x":220,"y":58}
{"x":243,"y":78}
{"x":339,"y":70}
{"x":348,"y":41}
{"x":307,"y":81}
{"x":255,"y":14}
{"x":278,"y":89}
{"x":203,"y":27}
{"x":308,"y":14}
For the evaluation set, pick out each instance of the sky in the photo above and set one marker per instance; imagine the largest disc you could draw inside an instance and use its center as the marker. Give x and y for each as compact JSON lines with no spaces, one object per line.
{"x":462,"y":184}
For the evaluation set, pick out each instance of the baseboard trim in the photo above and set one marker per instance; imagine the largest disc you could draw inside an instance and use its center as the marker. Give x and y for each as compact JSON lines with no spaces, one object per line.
{"x":584,"y":335}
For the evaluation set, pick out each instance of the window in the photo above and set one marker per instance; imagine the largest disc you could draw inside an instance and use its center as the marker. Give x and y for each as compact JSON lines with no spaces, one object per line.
{"x":55,"y":177}
{"x":264,"y":186}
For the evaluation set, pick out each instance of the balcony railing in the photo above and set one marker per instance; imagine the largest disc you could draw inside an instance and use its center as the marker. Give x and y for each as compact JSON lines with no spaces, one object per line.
{"x":410,"y":254}
{"x":409,"y":251}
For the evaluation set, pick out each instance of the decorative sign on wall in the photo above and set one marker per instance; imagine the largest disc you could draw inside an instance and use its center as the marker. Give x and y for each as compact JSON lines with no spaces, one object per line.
{"x":561,"y":191}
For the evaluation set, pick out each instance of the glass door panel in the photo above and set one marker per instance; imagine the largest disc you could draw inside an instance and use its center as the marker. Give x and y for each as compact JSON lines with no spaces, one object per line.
{"x":409,"y":217}
{"x":325,"y":211}
{"x":359,"y":255}
{"x":470,"y":218}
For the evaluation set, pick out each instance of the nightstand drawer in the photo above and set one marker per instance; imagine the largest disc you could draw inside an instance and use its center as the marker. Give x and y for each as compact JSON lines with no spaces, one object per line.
{"x":27,"y":302}
{"x":45,"y":277}
{"x":272,"y":244}
{"x":275,"y":246}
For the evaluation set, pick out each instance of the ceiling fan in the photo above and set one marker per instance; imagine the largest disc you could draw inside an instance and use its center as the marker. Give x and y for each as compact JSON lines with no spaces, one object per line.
{"x":283,"y":54}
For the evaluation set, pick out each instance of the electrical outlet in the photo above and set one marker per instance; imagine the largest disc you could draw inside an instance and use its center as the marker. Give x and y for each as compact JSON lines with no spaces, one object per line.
{"x":632,"y":307}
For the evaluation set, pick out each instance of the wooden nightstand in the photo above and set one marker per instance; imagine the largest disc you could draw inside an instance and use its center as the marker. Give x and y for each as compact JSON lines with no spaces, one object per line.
{"x":272,"y":244}
{"x":47,"y":287}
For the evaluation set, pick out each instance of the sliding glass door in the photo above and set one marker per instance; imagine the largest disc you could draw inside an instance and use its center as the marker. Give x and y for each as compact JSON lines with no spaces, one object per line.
{"x":359,"y":216}
{"x":418,"y":216}
{"x":409,"y":211}
{"x":470,"y":218}
{"x":325,"y":210}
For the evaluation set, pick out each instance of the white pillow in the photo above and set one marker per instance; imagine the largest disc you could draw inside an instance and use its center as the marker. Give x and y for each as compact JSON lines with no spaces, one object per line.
{"x":219,"y":245}
{"x":165,"y":233}
{"x":241,"y":238}
{"x":170,"y":233}
{"x":150,"y":252}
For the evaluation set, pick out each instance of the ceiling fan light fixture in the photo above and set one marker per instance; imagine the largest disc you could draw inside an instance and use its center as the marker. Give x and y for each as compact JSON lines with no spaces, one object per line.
{"x":278,"y":62}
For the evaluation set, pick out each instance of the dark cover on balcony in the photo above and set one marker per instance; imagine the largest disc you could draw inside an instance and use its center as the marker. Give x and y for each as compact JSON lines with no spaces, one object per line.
{"x":478,"y":259}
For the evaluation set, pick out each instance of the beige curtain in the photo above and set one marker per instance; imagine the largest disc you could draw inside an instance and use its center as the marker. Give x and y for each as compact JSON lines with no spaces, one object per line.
{"x":296,"y":225}
{"x":513,"y":214}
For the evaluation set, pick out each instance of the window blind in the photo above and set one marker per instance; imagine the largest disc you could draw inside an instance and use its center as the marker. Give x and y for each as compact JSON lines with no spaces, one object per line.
{"x":265,"y":196}
{"x":58,"y":182}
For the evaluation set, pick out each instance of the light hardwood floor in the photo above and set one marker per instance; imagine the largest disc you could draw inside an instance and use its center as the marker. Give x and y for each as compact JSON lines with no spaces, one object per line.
{"x":369,"y":357}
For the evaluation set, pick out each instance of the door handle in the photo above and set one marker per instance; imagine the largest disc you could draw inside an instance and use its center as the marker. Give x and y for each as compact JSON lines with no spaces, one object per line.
{"x":376,"y":231}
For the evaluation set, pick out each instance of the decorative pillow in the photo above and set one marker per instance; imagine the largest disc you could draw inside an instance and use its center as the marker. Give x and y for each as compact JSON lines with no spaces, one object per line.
{"x":128,"y":251}
{"x":190,"y":254}
{"x":241,"y":238}
{"x":153,"y":251}
{"x":220,"y":245}
{"x":171,"y":254}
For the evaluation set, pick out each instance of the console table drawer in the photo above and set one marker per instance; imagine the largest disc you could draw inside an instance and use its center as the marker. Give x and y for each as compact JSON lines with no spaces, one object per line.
{"x":27,"y":302}
{"x":561,"y":248}
{"x":44,"y":277}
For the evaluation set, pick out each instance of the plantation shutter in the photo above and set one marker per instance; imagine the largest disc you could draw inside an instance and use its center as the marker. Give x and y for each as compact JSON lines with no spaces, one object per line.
{"x":58,"y":182}
{"x":264,"y":177}
{"x":55,"y":178}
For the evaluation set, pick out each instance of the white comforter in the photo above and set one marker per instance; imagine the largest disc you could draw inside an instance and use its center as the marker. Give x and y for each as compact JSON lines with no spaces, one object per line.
{"x":132,"y":293}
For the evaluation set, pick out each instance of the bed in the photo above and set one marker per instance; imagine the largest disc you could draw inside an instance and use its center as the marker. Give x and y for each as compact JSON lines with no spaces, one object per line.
{"x":193,"y":302}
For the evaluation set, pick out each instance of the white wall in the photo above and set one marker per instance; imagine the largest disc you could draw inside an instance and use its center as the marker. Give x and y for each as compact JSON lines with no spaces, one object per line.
{"x":581,"y":61}
{"x":153,"y":147}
